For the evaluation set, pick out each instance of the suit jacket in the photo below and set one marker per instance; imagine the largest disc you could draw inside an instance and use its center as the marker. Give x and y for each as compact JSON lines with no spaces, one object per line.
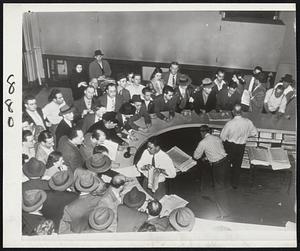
{"x":142,"y":113}
{"x":35,"y":184}
{"x":87,"y":149}
{"x":149,"y":108}
{"x":199,"y":102}
{"x":30,"y":222}
{"x":111,"y":134}
{"x":71,"y":154}
{"x":41,"y":154}
{"x":227,"y":103}
{"x":54,"y":205}
{"x":26,"y":116}
{"x":80,"y":106}
{"x":110,"y":200}
{"x":183,"y":102}
{"x":125,"y":94}
{"x":162,"y":224}
{"x":76,"y":215}
{"x":161,"y":106}
{"x":119,"y":101}
{"x":129,"y":219}
{"x":165,"y":76}
{"x":257,"y":103}
{"x":95,"y":70}
{"x":62,"y":129}
{"x":88,"y":121}
{"x":121,"y":125}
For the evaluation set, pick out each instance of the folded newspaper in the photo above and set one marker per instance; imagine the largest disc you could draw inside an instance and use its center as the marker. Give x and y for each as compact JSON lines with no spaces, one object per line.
{"x":171,"y":202}
{"x":182,"y":161}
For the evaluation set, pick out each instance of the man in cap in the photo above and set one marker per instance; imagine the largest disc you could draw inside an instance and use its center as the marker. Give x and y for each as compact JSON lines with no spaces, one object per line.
{"x":213,"y":148}
{"x":165,"y":103}
{"x":66,"y":124}
{"x":45,"y":146}
{"x":135,"y":88}
{"x":69,"y":147}
{"x":183,"y":93}
{"x":275,"y":100}
{"x":76,"y":214}
{"x":171,"y":78}
{"x":129,"y":218}
{"x":159,"y":163}
{"x":111,"y":100}
{"x":234,"y":136}
{"x":32,"y":203}
{"x":121,"y":88}
{"x":113,"y":197}
{"x":59,"y":196}
{"x":86,"y":104}
{"x":228,"y":97}
{"x":34,"y":170}
{"x":93,"y":118}
{"x":99,"y":68}
{"x":140,"y":112}
{"x":205,"y":98}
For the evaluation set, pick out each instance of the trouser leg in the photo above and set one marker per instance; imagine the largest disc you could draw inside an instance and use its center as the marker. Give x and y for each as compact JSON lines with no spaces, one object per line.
{"x":237,"y":162}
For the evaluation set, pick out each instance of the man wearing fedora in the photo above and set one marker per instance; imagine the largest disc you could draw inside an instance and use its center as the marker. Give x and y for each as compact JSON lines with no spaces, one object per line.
{"x":112,"y":198}
{"x":140,"y":112}
{"x":171,"y":78}
{"x":111,"y":100}
{"x":165,"y":103}
{"x":34,"y":170}
{"x":93,"y":118}
{"x":66,"y":124}
{"x":100,"y":220}
{"x":98,"y":163}
{"x":32,"y":202}
{"x":183,"y":92}
{"x":99,"y":68}
{"x":45,"y":146}
{"x":69,"y":147}
{"x":58,"y":197}
{"x":129,"y":218}
{"x":76,"y":214}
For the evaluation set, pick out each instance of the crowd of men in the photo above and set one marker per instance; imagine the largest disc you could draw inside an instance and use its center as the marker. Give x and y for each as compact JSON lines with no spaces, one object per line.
{"x":65,"y":156}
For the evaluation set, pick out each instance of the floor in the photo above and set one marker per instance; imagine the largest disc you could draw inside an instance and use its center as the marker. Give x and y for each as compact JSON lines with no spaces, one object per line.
{"x":267,"y":202}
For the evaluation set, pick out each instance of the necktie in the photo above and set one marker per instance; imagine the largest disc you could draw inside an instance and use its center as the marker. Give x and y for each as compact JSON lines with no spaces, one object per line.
{"x":173,"y":80}
{"x":113,"y":103}
{"x":153,"y":161}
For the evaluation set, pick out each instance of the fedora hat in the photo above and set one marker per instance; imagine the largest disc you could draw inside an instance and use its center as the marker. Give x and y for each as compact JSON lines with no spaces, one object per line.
{"x":207,"y":83}
{"x":288,"y":78}
{"x":134,"y":198}
{"x":98,"y":52}
{"x":65,"y":109}
{"x":136,"y":98}
{"x":61,"y":180}
{"x":98,"y":163}
{"x":184,"y":80}
{"x":101,"y":218}
{"x":86,"y":182}
{"x":33,"y":199}
{"x":127,"y":109}
{"x":34,"y":168}
{"x":182,"y":219}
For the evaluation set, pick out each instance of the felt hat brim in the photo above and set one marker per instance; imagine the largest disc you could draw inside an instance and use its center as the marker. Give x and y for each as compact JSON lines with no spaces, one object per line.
{"x":37,"y":205}
{"x":63,"y":187}
{"x":172,"y":219}
{"x":94,"y":225}
{"x":86,"y":189}
{"x":105,"y":167}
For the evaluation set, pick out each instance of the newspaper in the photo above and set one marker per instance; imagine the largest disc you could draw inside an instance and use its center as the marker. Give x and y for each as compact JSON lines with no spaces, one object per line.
{"x":171,"y":202}
{"x":182,"y":161}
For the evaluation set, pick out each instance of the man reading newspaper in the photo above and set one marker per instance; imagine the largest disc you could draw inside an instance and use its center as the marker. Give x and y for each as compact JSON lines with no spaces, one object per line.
{"x":156,"y":166}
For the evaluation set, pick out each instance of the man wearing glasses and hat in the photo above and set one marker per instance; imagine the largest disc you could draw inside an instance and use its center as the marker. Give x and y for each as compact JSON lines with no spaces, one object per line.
{"x":99,"y":68}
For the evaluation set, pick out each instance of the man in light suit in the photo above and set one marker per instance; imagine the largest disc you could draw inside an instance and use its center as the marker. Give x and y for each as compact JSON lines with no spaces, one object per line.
{"x":68,"y":146}
{"x":171,"y":77}
{"x":111,"y":100}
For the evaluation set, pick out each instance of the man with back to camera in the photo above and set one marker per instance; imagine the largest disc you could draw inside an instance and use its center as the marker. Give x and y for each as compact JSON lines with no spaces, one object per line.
{"x":156,"y":160}
{"x":99,"y":68}
{"x":234,"y":136}
{"x":171,"y":77}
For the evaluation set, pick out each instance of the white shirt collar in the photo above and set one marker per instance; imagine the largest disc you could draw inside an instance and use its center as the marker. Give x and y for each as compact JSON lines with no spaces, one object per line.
{"x":68,"y":122}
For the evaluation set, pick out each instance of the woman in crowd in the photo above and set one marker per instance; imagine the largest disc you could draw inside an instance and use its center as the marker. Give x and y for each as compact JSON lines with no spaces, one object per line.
{"x":78,"y":81}
{"x":156,"y":81}
{"x":55,"y":163}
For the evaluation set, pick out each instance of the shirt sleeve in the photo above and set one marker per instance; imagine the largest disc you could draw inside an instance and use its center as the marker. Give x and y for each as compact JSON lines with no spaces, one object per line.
{"x":268,"y":95}
{"x":169,"y":167}
{"x":282,"y":105}
{"x":253,"y":130}
{"x":143,"y":161}
{"x":223,"y":134}
{"x":199,"y":151}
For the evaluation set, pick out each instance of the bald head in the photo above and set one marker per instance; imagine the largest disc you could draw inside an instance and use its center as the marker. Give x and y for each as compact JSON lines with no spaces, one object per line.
{"x":237,"y":110}
{"x":154,"y":208}
{"x":118,"y":180}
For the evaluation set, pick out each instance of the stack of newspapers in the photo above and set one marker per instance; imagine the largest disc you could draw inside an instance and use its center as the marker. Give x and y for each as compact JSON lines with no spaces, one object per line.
{"x":182,"y":161}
